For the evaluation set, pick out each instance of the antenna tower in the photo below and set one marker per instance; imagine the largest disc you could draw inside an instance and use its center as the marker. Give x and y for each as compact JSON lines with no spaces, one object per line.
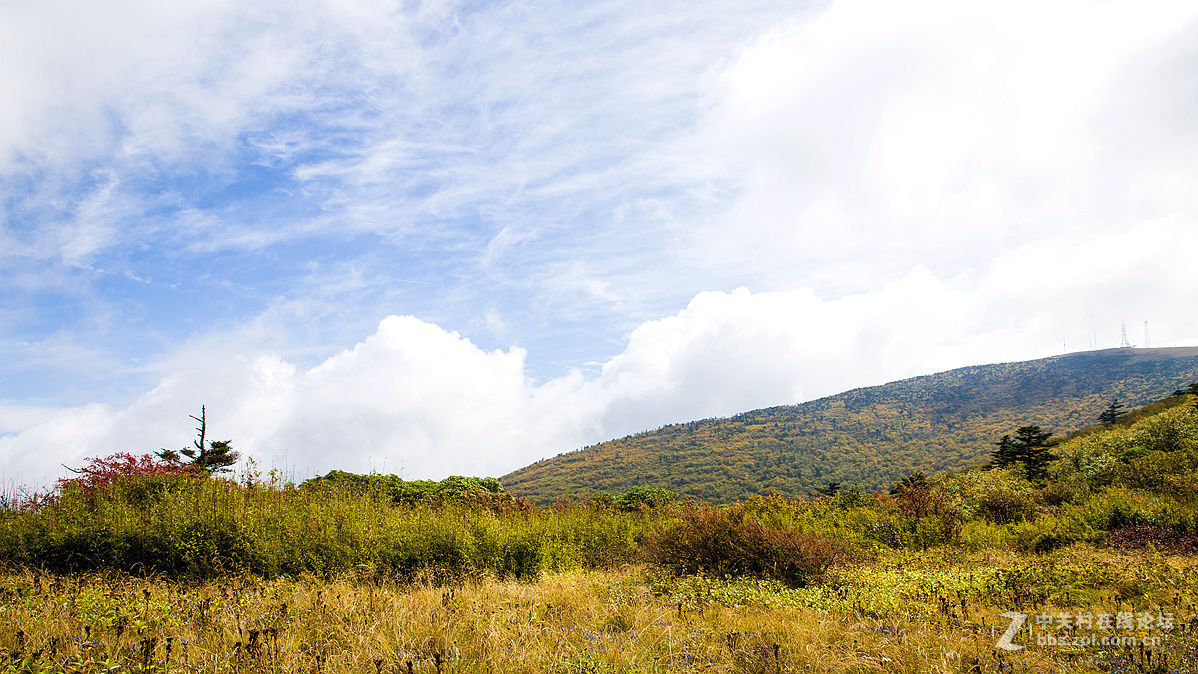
{"x":1147,"y":342}
{"x":1123,"y":343}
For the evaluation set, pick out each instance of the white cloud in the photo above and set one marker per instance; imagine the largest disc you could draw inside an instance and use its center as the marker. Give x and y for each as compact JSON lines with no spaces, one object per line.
{"x":906,"y":187}
{"x":137,"y":79}
{"x":14,"y":418}
{"x":411,"y":397}
{"x":879,"y":135}
{"x":420,"y":399}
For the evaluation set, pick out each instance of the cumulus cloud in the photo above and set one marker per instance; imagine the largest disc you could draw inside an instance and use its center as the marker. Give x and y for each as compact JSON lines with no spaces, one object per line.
{"x":418,"y":399}
{"x":877,"y":135}
{"x":410,"y":398}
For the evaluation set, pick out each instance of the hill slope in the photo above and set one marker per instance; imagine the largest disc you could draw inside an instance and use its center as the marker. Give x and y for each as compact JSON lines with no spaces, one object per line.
{"x":870,"y":436}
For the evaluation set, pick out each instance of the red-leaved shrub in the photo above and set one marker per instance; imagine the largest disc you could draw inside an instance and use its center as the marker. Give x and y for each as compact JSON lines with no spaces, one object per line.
{"x":728,"y":543}
{"x":101,"y":473}
{"x":1162,"y":538}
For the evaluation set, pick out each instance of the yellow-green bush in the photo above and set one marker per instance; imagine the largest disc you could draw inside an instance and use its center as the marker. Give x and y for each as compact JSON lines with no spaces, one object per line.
{"x":212,"y":527}
{"x":1140,"y":455}
{"x":998,"y":496}
{"x":983,"y":535}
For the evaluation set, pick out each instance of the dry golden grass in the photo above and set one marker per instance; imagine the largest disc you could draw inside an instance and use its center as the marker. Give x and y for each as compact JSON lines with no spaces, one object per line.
{"x":881,"y":617}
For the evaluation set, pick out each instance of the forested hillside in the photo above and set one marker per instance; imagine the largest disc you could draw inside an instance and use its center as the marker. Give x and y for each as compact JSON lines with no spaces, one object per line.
{"x":871,"y":436}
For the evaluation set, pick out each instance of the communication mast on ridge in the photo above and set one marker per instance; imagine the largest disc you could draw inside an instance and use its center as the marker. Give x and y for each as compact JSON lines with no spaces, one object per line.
{"x":1147,"y":342}
{"x":1123,"y":343}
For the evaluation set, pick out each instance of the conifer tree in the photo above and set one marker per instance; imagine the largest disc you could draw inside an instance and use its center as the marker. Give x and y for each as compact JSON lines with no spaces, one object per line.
{"x":1111,"y":414}
{"x":1003,"y":454}
{"x":914,"y":481}
{"x":831,"y":490}
{"x":1031,"y":447}
{"x":209,"y":457}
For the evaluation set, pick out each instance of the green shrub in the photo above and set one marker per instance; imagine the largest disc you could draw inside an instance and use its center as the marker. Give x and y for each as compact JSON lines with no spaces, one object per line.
{"x":1058,"y":493}
{"x":521,"y":558}
{"x":645,"y":498}
{"x":777,"y":511}
{"x":930,"y":531}
{"x":1143,"y":455}
{"x":1092,"y":459}
{"x":932,"y":514}
{"x":1170,"y":431}
{"x":998,"y":496}
{"x":983,"y":535}
{"x":848,"y":499}
{"x":1118,"y":507}
{"x":399,"y":491}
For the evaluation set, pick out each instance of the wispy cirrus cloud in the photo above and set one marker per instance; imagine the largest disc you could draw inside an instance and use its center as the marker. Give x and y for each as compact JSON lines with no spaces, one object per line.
{"x":564,"y":197}
{"x":209,"y":147}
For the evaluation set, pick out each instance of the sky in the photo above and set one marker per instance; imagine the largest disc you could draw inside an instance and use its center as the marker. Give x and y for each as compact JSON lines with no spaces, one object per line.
{"x":434,"y":238}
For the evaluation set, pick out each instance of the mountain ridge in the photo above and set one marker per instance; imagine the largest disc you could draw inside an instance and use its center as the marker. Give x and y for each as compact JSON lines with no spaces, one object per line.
{"x":870,"y":436}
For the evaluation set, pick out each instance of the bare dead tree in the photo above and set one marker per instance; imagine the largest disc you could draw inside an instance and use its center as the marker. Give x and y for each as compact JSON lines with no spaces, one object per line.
{"x":210,"y":457}
{"x":202,"y":430}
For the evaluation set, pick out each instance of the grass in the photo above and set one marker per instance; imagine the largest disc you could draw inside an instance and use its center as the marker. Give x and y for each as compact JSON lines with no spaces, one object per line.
{"x":938,"y":611}
{"x":363,"y":574}
{"x":209,"y":528}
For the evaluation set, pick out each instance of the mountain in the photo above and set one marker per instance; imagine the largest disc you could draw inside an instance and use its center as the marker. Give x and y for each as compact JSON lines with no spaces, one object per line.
{"x":870,"y":436}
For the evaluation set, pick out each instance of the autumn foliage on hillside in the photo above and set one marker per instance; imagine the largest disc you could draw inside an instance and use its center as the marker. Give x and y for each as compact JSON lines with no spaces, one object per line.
{"x":872,"y":437}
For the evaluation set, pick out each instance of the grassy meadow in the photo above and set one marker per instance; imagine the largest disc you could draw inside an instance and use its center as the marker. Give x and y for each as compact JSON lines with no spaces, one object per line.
{"x":898,"y":612}
{"x":134,"y":567}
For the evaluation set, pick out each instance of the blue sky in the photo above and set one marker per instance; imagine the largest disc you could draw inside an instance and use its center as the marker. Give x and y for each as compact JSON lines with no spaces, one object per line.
{"x":445,"y":237}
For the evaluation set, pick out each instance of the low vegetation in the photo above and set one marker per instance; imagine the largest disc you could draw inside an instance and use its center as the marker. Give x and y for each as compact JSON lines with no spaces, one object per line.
{"x":135,"y":566}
